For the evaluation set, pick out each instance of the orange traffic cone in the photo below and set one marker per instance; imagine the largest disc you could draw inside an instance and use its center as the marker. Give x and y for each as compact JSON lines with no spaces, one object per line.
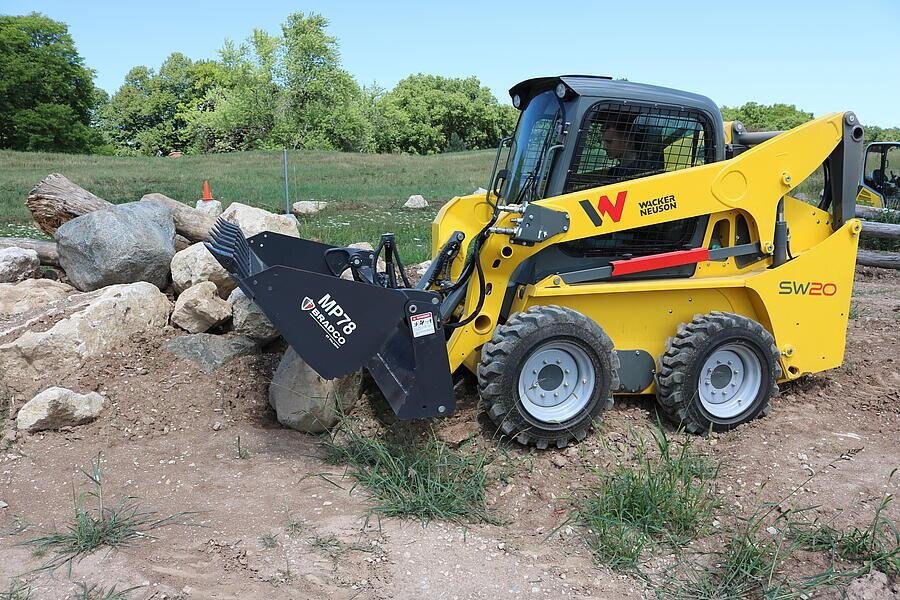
{"x":207,"y":193}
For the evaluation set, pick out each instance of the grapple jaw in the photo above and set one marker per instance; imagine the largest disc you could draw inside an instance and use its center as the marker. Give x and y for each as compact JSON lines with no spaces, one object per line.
{"x":339,"y":326}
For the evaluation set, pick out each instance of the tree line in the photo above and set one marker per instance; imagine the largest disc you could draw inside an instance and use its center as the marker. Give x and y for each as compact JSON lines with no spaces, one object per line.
{"x":269,"y":91}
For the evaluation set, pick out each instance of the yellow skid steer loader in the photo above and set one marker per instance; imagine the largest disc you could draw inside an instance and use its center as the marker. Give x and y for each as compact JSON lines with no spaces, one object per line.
{"x":631,"y":243}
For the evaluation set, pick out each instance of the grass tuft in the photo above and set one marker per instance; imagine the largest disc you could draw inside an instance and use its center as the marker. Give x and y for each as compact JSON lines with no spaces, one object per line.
{"x":421,"y":478}
{"x":17,"y":590}
{"x":95,"y":592}
{"x":874,"y":547}
{"x":664,"y":498}
{"x":242,"y":452}
{"x":98,"y":526}
{"x":753,"y":561}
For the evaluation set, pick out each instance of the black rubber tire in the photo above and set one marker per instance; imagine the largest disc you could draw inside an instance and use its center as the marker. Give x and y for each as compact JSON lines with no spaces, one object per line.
{"x":511,"y":344}
{"x":680,"y":365}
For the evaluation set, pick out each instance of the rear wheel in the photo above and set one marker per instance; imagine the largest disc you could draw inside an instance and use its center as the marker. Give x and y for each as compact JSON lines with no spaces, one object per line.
{"x":546,"y":374}
{"x":720,"y":370}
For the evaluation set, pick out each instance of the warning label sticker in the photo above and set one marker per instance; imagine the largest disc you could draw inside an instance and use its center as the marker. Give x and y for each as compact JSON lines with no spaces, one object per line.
{"x":421,"y":324}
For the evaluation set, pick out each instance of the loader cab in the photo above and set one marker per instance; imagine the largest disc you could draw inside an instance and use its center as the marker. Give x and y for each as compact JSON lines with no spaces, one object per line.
{"x":579,"y":132}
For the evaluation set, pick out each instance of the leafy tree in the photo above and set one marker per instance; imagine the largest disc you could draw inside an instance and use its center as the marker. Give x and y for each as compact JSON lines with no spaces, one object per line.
{"x":149,"y":113}
{"x":47,"y":95}
{"x":425,"y":113}
{"x":761,"y":117}
{"x":238,"y":110}
{"x":324,"y":106}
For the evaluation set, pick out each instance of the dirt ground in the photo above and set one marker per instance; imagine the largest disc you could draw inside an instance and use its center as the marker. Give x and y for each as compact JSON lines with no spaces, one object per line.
{"x":277,"y":525}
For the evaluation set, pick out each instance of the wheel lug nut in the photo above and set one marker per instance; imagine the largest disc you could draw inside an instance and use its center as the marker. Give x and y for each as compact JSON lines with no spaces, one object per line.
{"x":567,"y":370}
{"x":555,"y":395}
{"x":557,"y":361}
{"x":534,"y":371}
{"x":730,"y":363}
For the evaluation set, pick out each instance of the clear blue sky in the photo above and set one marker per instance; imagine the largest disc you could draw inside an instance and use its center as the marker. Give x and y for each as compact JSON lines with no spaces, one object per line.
{"x":823,"y":56}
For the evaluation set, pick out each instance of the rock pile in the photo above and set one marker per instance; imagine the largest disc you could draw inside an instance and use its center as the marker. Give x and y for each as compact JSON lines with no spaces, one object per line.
{"x":120,"y":274}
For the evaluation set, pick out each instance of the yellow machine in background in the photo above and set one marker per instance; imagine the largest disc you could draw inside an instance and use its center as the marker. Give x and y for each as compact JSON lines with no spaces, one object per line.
{"x":632,"y":243}
{"x":880,"y":182}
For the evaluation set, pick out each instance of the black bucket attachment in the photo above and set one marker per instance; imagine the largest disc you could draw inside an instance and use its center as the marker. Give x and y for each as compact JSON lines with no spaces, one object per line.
{"x":339,"y":326}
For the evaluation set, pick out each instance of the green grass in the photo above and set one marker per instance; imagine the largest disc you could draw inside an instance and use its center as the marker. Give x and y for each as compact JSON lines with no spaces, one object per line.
{"x":668,"y":497}
{"x":419,"y":477}
{"x":99,"y":526}
{"x":366,"y":189}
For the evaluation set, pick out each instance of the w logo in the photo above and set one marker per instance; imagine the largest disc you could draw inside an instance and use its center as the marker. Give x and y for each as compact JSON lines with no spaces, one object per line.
{"x":308,"y":303}
{"x":605,"y":207}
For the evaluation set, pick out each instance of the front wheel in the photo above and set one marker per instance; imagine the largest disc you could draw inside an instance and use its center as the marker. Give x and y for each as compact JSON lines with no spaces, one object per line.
{"x":546,"y":374}
{"x":718,"y":371}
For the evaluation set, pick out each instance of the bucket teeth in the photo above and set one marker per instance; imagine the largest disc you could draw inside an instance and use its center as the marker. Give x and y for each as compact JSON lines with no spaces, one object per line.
{"x":228,"y":245}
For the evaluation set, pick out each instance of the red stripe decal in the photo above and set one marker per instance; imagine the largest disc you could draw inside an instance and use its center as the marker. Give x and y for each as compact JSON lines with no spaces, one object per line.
{"x":659,"y":261}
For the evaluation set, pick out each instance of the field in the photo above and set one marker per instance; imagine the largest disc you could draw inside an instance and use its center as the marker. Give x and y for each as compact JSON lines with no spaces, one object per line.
{"x":367,"y":190}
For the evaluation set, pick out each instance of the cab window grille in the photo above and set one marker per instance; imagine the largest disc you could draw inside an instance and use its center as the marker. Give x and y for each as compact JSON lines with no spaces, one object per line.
{"x":618,"y":142}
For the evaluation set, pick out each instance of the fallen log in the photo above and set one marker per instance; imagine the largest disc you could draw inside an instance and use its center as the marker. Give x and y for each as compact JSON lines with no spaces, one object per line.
{"x":874,"y":229}
{"x":189,"y":222}
{"x":56,"y":200}
{"x":870,"y":212}
{"x":46,"y":250}
{"x":873,"y":258}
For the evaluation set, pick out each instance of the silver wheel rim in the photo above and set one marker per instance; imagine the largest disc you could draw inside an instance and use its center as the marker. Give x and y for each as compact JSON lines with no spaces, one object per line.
{"x":730,"y":381}
{"x":556,"y":381}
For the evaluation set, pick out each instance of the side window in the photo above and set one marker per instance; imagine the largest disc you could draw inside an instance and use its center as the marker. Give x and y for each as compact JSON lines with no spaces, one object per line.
{"x":619,"y":142}
{"x":892,"y":176}
{"x":873,"y":173}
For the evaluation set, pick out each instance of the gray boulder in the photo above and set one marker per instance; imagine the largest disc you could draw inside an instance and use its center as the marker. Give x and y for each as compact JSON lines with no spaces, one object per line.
{"x":58,"y":407}
{"x":122,"y":244}
{"x":211,"y":351}
{"x":18,"y":264}
{"x":249,"y":320}
{"x":305,"y":401}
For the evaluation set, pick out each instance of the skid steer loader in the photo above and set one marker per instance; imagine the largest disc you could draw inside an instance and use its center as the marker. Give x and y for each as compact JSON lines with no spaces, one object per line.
{"x":880,"y":181}
{"x":631,"y":243}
